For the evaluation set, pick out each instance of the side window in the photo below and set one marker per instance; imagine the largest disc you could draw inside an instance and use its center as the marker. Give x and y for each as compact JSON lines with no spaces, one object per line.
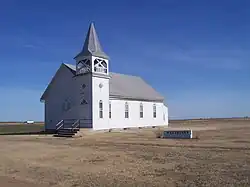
{"x":109,"y":109}
{"x":141,"y":110}
{"x":154,"y":110}
{"x":126,"y":110}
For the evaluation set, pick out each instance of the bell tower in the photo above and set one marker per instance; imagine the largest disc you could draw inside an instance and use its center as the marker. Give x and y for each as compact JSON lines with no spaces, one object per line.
{"x":92,"y":74}
{"x":92,"y":58}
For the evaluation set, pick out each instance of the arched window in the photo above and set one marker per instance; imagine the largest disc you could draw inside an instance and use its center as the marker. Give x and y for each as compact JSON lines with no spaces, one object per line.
{"x":141,"y":110}
{"x":126,"y":110}
{"x":154,"y":110}
{"x":109,"y":109}
{"x":100,"y":109}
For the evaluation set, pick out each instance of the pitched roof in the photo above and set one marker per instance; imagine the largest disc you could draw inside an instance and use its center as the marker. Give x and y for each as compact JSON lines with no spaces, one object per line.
{"x":92,"y":44}
{"x":128,"y":87}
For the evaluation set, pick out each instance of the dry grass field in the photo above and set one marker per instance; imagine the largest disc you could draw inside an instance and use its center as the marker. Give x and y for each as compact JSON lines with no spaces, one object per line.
{"x":220,"y":157}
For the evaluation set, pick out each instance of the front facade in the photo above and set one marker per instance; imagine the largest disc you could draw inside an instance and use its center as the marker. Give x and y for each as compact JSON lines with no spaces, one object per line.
{"x":87,"y":91}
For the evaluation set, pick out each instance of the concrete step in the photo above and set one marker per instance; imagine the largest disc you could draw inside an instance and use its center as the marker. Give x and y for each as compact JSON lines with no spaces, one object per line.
{"x":67,"y":132}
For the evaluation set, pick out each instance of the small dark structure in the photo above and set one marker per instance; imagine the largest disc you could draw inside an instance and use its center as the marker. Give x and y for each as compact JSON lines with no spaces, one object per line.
{"x":178,"y":134}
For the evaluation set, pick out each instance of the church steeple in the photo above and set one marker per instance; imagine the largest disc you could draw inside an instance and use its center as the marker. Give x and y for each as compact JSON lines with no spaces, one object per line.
{"x":92,"y":46}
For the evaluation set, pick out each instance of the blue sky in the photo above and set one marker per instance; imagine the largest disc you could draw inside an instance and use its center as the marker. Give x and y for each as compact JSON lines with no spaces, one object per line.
{"x":195,"y":53}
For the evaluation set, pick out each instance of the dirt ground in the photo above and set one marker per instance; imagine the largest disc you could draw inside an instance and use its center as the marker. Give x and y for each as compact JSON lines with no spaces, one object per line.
{"x":220,"y":157}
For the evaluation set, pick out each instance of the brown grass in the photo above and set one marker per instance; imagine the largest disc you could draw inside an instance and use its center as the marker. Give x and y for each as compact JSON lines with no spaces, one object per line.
{"x":220,"y":157}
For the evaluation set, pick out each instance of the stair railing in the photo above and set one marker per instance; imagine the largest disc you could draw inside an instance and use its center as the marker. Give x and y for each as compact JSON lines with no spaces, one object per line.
{"x":60,"y":125}
{"x":75,"y":125}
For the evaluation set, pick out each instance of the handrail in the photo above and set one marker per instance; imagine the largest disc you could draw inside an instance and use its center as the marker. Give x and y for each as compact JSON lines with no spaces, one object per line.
{"x":75,"y":125}
{"x":59,"y":124}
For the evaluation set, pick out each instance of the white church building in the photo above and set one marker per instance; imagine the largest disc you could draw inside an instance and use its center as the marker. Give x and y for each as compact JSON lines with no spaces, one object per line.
{"x":87,"y":91}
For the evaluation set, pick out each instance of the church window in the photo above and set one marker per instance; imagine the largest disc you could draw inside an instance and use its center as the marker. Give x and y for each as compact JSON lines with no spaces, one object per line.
{"x":126,"y":110}
{"x":109,"y":109}
{"x":100,"y":109}
{"x":141,"y":110}
{"x":154,"y":111}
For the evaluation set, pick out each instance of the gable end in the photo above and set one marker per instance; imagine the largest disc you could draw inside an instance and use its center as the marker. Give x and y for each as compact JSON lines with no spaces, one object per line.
{"x":59,"y":70}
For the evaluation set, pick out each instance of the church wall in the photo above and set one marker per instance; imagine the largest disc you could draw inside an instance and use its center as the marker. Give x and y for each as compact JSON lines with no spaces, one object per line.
{"x":83,"y":100}
{"x":118,"y":119}
{"x":100,"y":93}
{"x":60,"y":89}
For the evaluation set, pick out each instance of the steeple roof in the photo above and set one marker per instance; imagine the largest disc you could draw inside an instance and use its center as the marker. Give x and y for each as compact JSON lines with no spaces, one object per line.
{"x":92,"y":44}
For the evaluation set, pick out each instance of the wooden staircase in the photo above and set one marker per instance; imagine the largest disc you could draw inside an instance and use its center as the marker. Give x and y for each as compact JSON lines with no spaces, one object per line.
{"x":67,"y":128}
